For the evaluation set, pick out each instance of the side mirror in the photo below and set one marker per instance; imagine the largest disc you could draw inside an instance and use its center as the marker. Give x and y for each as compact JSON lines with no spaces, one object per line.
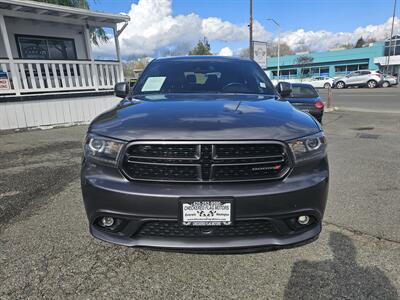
{"x":121,"y":89}
{"x":284,"y":89}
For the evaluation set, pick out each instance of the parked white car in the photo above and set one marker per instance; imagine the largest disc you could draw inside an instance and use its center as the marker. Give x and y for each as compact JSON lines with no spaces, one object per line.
{"x":320,"y":82}
{"x":370,"y":79}
{"x":316,"y":82}
{"x":389,"y":80}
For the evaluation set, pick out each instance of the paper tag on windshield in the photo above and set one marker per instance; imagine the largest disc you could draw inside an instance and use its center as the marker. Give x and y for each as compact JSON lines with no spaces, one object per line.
{"x":153,"y":84}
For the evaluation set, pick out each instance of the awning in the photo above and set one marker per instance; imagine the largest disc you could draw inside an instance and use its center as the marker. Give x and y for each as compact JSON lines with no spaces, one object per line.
{"x":383,"y":60}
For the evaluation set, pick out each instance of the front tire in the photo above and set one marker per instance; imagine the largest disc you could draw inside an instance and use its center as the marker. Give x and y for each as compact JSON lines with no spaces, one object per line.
{"x":372,"y":84}
{"x":385,"y":84}
{"x":340,"y":85}
{"x":327,"y":85}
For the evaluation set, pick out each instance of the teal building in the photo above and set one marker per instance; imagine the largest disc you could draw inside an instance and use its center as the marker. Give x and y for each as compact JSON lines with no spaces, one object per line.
{"x":327,"y":63}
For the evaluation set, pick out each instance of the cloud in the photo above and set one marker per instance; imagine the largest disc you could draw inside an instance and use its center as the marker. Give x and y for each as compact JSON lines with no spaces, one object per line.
{"x":225,"y":52}
{"x":323,"y":40}
{"x":155,"y":31}
{"x":216,"y":29}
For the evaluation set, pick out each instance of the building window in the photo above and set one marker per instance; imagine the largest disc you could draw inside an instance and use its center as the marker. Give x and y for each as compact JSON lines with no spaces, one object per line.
{"x":395,"y":49}
{"x":324,"y":71}
{"x":286,"y":74}
{"x":38,"y":47}
{"x":315,"y":72}
{"x":350,"y":68}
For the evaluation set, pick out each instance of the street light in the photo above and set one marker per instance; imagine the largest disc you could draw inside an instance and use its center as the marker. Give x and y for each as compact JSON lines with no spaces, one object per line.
{"x":279,"y":43}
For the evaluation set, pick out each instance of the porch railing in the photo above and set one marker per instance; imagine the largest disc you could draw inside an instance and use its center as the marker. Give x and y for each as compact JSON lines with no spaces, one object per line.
{"x":37,"y":76}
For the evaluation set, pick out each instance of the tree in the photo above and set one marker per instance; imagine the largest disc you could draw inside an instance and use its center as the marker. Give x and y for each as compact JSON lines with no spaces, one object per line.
{"x":272,"y":49}
{"x":346,"y":46}
{"x":370,"y":40}
{"x":360,"y":43}
{"x":302,"y":61}
{"x":202,"y":48}
{"x":303,"y":48}
{"x":97,"y":34}
{"x":133,"y":67}
{"x":244,"y":53}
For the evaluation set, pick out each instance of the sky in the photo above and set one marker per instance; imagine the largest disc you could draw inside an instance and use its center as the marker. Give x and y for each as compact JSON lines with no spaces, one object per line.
{"x":167,"y":27}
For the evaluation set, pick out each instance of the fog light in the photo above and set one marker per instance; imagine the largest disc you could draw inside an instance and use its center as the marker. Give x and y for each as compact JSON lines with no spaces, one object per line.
{"x":303,"y":220}
{"x":107,"y":221}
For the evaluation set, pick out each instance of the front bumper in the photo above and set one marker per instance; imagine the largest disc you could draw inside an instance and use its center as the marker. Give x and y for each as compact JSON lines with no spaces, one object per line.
{"x":106,"y":192}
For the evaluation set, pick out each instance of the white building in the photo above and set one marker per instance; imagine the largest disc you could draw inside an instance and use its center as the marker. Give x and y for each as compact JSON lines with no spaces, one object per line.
{"x":45,"y":52}
{"x":46,"y":48}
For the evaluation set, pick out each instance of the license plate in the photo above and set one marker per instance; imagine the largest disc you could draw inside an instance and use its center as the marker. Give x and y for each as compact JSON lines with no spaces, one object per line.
{"x":206,"y":213}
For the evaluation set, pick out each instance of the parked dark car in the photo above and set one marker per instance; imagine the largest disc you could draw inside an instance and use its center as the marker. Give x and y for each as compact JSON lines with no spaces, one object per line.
{"x":305,"y":97}
{"x":203,"y":154}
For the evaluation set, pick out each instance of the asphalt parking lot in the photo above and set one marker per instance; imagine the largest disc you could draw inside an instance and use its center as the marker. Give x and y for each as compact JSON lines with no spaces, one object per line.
{"x":47,"y":252}
{"x":384,"y":100}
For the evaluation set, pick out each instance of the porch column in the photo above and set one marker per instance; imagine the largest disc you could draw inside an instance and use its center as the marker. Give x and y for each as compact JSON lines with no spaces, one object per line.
{"x":13,"y":68}
{"x":116,"y":40}
{"x":90,"y":57}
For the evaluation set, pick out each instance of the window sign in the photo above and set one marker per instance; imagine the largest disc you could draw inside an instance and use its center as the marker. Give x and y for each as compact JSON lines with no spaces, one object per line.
{"x":153,"y":84}
{"x":4,"y":84}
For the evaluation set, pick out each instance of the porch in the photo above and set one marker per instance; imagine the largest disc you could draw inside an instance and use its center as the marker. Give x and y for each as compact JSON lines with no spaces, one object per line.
{"x":38,"y":76}
{"x":61,"y":59}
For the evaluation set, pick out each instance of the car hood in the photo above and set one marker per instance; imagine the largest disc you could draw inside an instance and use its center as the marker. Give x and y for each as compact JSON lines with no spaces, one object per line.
{"x":204,"y":117}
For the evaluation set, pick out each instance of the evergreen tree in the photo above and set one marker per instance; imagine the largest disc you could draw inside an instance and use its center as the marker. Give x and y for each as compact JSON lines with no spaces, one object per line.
{"x":202,"y":48}
{"x":360,"y":43}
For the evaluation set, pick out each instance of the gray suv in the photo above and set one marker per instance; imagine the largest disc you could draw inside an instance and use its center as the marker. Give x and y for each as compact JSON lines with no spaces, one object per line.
{"x":204,"y":153}
{"x":362,"y":78}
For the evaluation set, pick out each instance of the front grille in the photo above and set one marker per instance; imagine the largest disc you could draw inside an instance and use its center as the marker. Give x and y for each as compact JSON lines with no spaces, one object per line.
{"x":163,"y":171}
{"x":164,"y":151}
{"x":247,"y":150}
{"x":205,"y":161}
{"x":174,"y":229}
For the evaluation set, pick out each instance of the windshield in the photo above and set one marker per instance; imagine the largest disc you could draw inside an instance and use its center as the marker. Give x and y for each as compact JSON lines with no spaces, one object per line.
{"x":303,"y":92}
{"x":203,"y":76}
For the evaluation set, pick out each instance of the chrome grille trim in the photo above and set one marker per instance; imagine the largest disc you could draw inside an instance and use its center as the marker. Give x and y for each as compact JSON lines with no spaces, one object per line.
{"x":286,"y":160}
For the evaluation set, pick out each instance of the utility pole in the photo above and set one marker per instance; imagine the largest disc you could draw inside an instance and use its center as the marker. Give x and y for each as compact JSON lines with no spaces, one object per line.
{"x":251,"y":54}
{"x":279,"y":44}
{"x":391,"y":36}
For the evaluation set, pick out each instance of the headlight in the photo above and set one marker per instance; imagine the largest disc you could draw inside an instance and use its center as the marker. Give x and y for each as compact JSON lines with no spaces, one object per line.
{"x":101,"y":149}
{"x":309,"y":148}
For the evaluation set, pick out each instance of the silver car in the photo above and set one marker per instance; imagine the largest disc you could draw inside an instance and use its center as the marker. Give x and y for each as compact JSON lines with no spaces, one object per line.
{"x":389,"y":80}
{"x":370,"y":79}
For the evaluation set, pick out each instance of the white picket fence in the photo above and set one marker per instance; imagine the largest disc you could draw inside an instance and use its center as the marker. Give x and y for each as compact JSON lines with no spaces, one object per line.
{"x":38,"y":76}
{"x":41,"y":113}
